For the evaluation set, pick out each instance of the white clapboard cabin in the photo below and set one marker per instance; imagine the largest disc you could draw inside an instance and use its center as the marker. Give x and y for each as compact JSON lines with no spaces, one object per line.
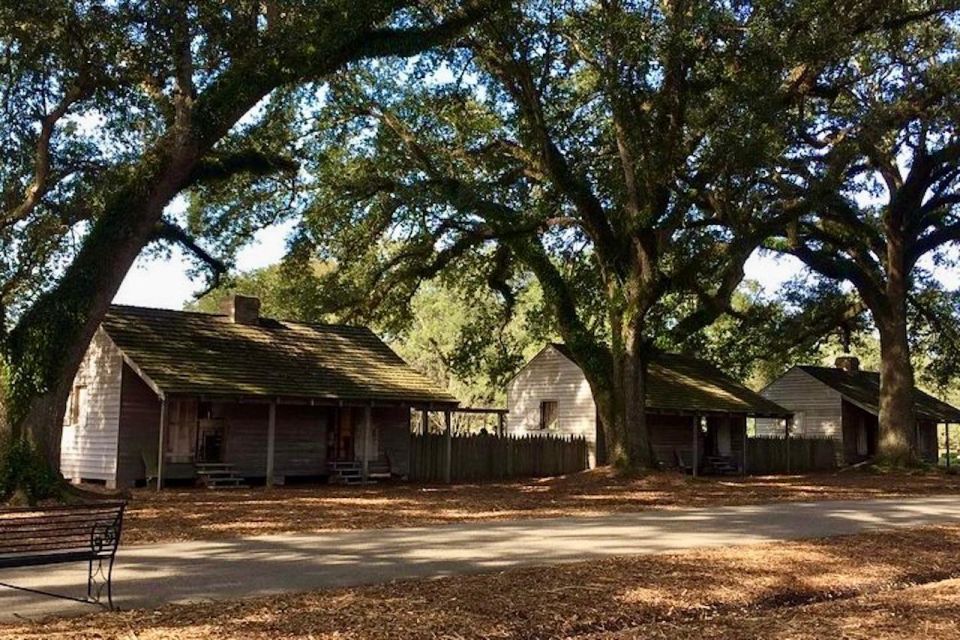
{"x":234,"y":397}
{"x":842,"y":402}
{"x":697,"y":415}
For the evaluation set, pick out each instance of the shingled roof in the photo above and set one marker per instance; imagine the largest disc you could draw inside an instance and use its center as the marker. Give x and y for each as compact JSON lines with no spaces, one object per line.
{"x":681,"y":383}
{"x":863,"y":388}
{"x":206,"y":354}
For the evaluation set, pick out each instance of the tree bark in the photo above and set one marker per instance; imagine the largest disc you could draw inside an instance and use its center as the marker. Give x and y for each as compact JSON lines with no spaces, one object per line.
{"x":897,"y":419}
{"x":49,"y":342}
{"x":621,"y":402}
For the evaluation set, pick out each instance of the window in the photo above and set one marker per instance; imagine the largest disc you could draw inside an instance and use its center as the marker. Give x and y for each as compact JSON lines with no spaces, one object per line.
{"x":78,"y":400}
{"x":548,"y":414}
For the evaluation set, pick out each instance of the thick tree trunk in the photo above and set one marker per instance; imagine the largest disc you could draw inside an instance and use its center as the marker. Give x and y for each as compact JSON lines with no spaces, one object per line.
{"x":621,"y":401}
{"x":897,"y":420}
{"x":46,"y":347}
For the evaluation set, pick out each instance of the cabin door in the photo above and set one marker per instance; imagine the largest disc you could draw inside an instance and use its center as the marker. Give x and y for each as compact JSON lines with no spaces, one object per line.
{"x":724,"y":447}
{"x":181,"y":430}
{"x":341,"y":435}
{"x":210,"y":439}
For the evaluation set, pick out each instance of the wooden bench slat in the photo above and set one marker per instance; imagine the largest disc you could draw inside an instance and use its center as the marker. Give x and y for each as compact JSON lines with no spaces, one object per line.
{"x":28,"y":531}
{"x":56,"y":535}
{"x":46,"y":558}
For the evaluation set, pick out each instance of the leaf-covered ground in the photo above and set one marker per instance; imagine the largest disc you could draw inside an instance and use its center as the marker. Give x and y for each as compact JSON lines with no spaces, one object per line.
{"x":195,"y":514}
{"x":898,"y":584}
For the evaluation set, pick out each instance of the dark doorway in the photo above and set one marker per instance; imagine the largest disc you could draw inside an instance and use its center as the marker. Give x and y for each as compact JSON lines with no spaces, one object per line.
{"x":341,"y":434}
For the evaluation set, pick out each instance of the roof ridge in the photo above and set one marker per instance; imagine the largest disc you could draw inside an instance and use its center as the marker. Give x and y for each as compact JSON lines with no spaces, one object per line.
{"x":210,"y":314}
{"x":164,"y":310}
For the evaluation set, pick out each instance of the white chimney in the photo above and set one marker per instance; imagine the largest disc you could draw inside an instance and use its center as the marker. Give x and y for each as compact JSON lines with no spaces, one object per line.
{"x":848,"y":363}
{"x":242,"y":309}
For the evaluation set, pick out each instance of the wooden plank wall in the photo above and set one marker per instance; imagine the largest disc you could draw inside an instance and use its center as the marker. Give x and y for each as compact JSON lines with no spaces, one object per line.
{"x":551,"y":376}
{"x":392,"y":425}
{"x":88,"y":450}
{"x":300,"y":445}
{"x":488,"y":457}
{"x":139,"y":428}
{"x":817,"y":409}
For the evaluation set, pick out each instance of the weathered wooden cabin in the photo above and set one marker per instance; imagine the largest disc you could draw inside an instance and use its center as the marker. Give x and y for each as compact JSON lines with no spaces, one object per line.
{"x":842,"y":402}
{"x":696,"y":413}
{"x":236,"y":397}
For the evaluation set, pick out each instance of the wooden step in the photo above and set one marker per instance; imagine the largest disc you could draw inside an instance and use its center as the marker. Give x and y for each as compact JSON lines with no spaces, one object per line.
{"x":219,"y":475}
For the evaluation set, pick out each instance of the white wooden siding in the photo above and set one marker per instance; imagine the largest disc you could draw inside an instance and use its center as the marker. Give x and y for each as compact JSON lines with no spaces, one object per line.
{"x":817,"y":407}
{"x":88,"y":449}
{"x":552,"y":376}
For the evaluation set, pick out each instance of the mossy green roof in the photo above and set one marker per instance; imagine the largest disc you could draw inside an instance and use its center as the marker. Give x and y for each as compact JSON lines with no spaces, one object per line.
{"x":208,"y":355}
{"x":863,"y":388}
{"x":685,"y":384}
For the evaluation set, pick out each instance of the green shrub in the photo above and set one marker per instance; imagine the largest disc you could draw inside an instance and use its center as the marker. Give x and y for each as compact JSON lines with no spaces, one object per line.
{"x":24,"y":470}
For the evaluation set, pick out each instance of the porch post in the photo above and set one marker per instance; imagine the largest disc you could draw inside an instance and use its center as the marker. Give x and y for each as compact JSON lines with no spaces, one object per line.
{"x":367,"y":411}
{"x":743,"y":467}
{"x":271,"y":440}
{"x":696,"y":442}
{"x":424,"y":421}
{"x":448,"y":441}
{"x":501,"y":424}
{"x":946,"y":426}
{"x":160,"y":445}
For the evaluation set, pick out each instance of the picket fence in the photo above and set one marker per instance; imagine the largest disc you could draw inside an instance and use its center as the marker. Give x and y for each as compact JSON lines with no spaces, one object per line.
{"x":490,"y":457}
{"x":773,"y":454}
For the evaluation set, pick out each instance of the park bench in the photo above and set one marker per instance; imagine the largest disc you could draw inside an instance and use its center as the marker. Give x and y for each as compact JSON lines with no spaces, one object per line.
{"x":39,"y":536}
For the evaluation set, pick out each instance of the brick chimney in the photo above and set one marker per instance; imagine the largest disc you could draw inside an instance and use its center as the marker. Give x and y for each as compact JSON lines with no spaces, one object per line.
{"x":242,"y":309}
{"x":848,"y":363}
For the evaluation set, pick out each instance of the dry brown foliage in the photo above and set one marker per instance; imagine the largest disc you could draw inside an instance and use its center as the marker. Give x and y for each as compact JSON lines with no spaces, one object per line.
{"x":199,"y":514}
{"x":861,"y":586}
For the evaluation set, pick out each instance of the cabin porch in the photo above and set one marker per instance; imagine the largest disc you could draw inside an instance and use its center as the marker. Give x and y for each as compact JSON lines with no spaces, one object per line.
{"x":699,"y":444}
{"x":234,"y":442}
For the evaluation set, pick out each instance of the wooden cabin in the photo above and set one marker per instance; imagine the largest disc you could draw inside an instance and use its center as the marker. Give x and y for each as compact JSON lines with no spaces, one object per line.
{"x":697,"y":414}
{"x":842,"y":402}
{"x":235,"y":397}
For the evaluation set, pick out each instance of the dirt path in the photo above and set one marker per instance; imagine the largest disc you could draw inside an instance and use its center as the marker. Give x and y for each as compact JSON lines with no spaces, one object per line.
{"x":151,"y":575}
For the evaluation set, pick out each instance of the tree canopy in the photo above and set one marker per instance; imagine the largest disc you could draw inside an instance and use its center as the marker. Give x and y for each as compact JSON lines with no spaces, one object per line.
{"x":622,"y":154}
{"x":872,"y":173}
{"x":112,"y":109}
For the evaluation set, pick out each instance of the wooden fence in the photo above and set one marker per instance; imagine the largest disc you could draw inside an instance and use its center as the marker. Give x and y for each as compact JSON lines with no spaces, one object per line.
{"x":773,"y":454}
{"x":489,"y":457}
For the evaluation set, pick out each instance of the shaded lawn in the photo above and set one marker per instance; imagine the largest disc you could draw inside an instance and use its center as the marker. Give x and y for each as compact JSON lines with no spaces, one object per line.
{"x":200,"y":514}
{"x":861,"y":586}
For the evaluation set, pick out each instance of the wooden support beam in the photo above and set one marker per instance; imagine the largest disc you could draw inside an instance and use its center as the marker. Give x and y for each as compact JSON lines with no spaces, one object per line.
{"x":367,"y":433}
{"x":424,"y":422}
{"x":696,"y":445}
{"x":502,"y":424}
{"x":161,"y":445}
{"x":271,"y":440}
{"x":448,"y":441}
{"x":946,"y":427}
{"x":743,"y":466}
